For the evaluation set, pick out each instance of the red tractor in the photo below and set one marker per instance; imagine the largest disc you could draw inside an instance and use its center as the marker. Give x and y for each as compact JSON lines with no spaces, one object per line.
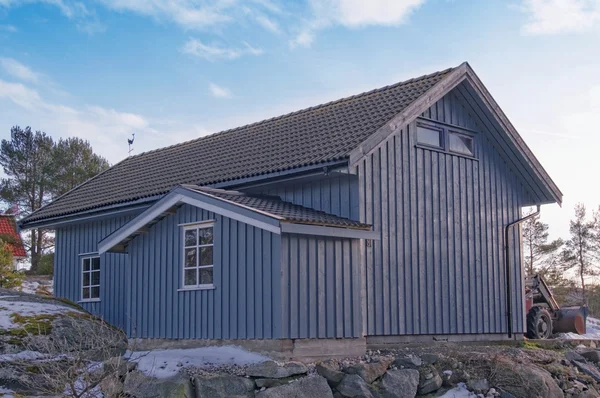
{"x":544,"y":315}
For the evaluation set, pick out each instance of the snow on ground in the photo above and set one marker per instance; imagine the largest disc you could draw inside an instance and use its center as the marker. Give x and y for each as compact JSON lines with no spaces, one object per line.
{"x":26,"y":308}
{"x":167,"y":363}
{"x":6,"y":393}
{"x":460,"y":391}
{"x":35,"y":286}
{"x":592,"y":327}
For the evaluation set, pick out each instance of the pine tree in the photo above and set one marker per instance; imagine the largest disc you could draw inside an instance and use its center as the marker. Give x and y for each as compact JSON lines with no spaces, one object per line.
{"x":540,"y":255}
{"x":580,"y":252}
{"x":28,"y":164}
{"x":75,"y":163}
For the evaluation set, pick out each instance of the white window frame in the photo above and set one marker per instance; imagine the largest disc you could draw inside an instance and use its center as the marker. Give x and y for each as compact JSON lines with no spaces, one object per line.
{"x":198,"y":246}
{"x":90,"y":286}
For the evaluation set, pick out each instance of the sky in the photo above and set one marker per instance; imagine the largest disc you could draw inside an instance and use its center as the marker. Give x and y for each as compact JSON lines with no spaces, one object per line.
{"x":174,"y":70}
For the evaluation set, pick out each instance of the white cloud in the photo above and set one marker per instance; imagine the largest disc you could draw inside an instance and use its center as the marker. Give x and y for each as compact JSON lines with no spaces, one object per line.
{"x":560,"y":16}
{"x":218,"y":91}
{"x":214,"y":52}
{"x":353,"y":14}
{"x":267,"y":23}
{"x":105,"y":128}
{"x":18,"y":70}
{"x":8,"y":28}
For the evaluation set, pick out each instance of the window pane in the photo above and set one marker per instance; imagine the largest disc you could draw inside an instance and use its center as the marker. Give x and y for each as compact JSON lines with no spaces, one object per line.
{"x":95,"y":278}
{"x":190,"y":277}
{"x":206,"y":276}
{"x":95,"y":292}
{"x":86,"y":264}
{"x":206,"y":236}
{"x":190,"y":257}
{"x":429,"y":136}
{"x":206,"y":255}
{"x":190,"y":237}
{"x":86,"y":293}
{"x":95,"y":263}
{"x":461,"y":143}
{"x":86,"y":279}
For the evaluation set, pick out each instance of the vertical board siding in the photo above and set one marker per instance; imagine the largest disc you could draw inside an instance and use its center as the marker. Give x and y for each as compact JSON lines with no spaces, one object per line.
{"x":439,"y":265}
{"x":245,"y":303}
{"x":74,"y":240}
{"x":321,"y":287}
{"x":336,"y":195}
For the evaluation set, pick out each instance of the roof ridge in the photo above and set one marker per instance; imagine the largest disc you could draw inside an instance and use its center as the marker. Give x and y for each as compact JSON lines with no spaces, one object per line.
{"x":289,"y":114}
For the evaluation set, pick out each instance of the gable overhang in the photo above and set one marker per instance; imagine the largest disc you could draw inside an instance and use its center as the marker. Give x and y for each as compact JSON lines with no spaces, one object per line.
{"x":510,"y":142}
{"x":119,"y":239}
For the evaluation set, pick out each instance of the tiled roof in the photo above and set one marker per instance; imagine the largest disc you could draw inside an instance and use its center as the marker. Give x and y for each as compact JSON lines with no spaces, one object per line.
{"x":320,"y":134}
{"x":8,"y":226}
{"x":286,"y":211}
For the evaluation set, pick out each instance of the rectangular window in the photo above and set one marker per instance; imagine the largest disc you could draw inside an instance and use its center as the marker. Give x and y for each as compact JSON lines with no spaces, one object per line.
{"x":198,"y":256}
{"x":429,"y":136}
{"x":461,"y":143}
{"x":90,"y":278}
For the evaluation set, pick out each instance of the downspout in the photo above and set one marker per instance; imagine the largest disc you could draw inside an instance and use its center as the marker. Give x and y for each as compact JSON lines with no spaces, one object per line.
{"x":507,"y":267}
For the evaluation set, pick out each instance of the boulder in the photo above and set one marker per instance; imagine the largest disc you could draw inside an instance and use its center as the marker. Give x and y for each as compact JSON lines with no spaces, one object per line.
{"x":524,"y":380}
{"x":400,"y":383}
{"x":305,"y":387}
{"x":593,"y":356}
{"x":330,"y":370}
{"x":480,"y":386}
{"x":224,"y":386}
{"x":138,"y":385}
{"x":267,"y":383}
{"x":408,"y":362}
{"x":574,"y":356}
{"x":588,"y":369}
{"x":368,"y":371}
{"x":429,"y":359}
{"x":353,"y":385}
{"x":429,"y":380}
{"x":272,"y":370}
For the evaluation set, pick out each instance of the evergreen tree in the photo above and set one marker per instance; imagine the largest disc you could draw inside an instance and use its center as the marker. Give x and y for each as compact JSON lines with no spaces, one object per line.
{"x":75,"y":163}
{"x":28,"y":164}
{"x":541,"y":256}
{"x":8,"y":276}
{"x":580,"y":252}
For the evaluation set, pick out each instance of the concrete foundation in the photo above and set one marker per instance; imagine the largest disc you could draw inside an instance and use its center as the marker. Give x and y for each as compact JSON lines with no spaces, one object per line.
{"x":382,"y":342}
{"x":305,"y":350}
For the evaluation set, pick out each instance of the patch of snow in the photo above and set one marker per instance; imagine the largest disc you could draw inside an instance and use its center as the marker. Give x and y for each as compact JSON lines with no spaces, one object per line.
{"x":167,"y":363}
{"x":22,"y":355}
{"x":592,"y":327}
{"x":29,"y":287}
{"x":26,"y":308}
{"x":6,"y":392}
{"x":447,"y":372}
{"x":460,"y":391}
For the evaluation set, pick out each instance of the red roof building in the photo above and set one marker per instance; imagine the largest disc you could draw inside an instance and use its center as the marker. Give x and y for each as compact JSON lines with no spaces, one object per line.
{"x":8,"y":227}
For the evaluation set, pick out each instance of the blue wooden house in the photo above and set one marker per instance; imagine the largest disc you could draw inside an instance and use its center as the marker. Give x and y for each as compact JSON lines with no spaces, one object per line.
{"x":374,"y":219}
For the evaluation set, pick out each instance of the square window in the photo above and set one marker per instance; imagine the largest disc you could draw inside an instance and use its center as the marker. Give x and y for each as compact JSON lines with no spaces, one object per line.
{"x":95,"y":292}
{"x":429,"y":136}
{"x":461,"y":143}
{"x":206,"y":236}
{"x":190,"y":257}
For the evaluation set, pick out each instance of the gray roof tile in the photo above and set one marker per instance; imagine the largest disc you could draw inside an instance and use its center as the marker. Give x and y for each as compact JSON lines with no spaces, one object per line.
{"x":320,"y":134}
{"x":273,"y":205}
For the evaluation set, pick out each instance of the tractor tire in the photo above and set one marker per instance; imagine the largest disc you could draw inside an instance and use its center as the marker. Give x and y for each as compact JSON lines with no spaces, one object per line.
{"x":539,"y":323}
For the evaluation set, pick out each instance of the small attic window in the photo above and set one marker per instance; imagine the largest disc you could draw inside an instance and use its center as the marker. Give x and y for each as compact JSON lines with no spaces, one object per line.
{"x":429,"y":136}
{"x":461,"y":143}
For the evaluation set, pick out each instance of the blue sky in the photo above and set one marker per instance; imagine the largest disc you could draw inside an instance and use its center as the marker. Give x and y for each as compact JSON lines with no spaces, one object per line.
{"x":173,"y":70}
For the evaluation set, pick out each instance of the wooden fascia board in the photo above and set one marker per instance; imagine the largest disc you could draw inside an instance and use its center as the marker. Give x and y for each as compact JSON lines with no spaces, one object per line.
{"x":318,"y":230}
{"x":409,"y":114}
{"x":193,"y":198}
